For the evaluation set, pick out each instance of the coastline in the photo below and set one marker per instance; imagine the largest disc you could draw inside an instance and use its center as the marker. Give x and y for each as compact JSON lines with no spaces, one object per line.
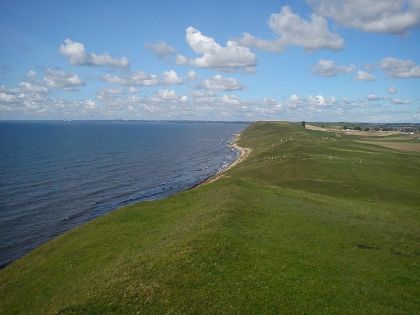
{"x":186,"y":253}
{"x":243,"y":154}
{"x":69,"y":223}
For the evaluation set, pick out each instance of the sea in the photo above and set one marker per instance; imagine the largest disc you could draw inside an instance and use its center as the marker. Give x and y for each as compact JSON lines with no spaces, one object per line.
{"x":56,"y":175}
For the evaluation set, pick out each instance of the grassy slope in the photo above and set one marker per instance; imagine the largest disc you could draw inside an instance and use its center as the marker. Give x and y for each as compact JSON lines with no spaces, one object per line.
{"x":305,"y":225}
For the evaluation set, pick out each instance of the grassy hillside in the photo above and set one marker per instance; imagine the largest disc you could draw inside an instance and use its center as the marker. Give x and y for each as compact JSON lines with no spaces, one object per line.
{"x":309,"y":223}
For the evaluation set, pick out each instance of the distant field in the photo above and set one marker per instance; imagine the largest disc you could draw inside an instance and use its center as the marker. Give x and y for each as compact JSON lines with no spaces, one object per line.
{"x":309,"y":223}
{"x":362,"y":133}
{"x":415,"y":147}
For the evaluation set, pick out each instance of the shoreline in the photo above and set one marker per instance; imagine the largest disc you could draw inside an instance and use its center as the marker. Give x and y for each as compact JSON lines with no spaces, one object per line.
{"x":243,"y":154}
{"x":182,"y":255}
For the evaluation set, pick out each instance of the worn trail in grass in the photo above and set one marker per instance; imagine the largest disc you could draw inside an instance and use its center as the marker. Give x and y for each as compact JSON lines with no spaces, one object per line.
{"x":309,"y":223}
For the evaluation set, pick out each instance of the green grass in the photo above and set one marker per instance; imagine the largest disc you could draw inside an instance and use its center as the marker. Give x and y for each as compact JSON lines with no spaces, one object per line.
{"x":310,"y":223}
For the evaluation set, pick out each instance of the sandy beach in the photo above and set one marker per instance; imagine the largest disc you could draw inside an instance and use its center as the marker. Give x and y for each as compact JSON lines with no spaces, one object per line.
{"x":243,"y":154}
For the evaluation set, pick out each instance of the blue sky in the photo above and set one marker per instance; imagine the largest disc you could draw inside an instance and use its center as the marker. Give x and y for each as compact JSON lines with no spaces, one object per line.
{"x":321,"y":60}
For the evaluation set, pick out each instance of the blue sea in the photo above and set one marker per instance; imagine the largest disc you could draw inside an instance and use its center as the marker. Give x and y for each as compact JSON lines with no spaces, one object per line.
{"x":57,"y":175}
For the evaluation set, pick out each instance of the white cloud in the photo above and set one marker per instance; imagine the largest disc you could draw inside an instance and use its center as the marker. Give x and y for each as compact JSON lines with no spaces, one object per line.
{"x":113,"y":91}
{"x":271,"y":101}
{"x":291,"y":29}
{"x":89,"y":104}
{"x":74,"y":51}
{"x":317,"y":100}
{"x":200,"y":94}
{"x":39,"y":105}
{"x":171,"y":78}
{"x":115,"y":79}
{"x":165,"y":95}
{"x":399,"y":101}
{"x":231,"y":100}
{"x":200,"y":104}
{"x":373,"y":97}
{"x":161,"y":49}
{"x":212,"y":55}
{"x":62,"y":80}
{"x":107,"y":60}
{"x":133,"y":78}
{"x":31,"y":75}
{"x":364,"y":76}
{"x":379,"y":16}
{"x":77,"y":55}
{"x":328,"y":68}
{"x":32,"y":87}
{"x":398,"y":68}
{"x":294,"y":98}
{"x":181,"y":60}
{"x":7,"y":98}
{"x":275,"y":45}
{"x":141,"y":78}
{"x":192,"y":75}
{"x":392,"y":90}
{"x":219,"y":83}
{"x":104,"y":93}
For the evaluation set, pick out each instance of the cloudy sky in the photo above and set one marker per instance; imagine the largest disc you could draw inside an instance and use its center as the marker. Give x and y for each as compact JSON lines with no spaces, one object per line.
{"x":322,"y":60}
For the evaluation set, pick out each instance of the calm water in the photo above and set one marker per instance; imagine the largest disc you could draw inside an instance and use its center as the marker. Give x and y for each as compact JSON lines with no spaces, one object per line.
{"x":57,"y":175}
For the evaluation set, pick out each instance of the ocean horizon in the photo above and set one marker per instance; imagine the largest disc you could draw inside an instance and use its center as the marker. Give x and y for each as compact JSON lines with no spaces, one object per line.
{"x":56,"y":175}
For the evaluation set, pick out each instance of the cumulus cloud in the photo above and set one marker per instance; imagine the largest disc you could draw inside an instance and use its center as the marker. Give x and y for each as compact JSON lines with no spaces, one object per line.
{"x":167,"y":96}
{"x":115,"y":79}
{"x":32,"y":87}
{"x":77,"y":55}
{"x":6,"y":98}
{"x":399,"y":101}
{"x":364,"y":76}
{"x":220,"y":83}
{"x":161,"y":49}
{"x":134,"y":78}
{"x":374,"y":97}
{"x":392,"y":90}
{"x":232,"y":57}
{"x":328,"y":68}
{"x":171,"y":78}
{"x":89,"y":104}
{"x":199,"y":104}
{"x":398,"y":68}
{"x":294,"y":98}
{"x":181,"y":60}
{"x":317,"y":100}
{"x":31,"y":75}
{"x":141,"y":78}
{"x":22,"y":101}
{"x":271,"y":101}
{"x":192,"y":75}
{"x":231,"y":100}
{"x":62,"y":80}
{"x":291,"y":29}
{"x":104,"y":93}
{"x":379,"y":16}
{"x":144,"y":79}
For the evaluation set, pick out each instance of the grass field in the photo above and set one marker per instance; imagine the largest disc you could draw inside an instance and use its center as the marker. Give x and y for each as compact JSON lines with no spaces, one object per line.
{"x":309,"y":223}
